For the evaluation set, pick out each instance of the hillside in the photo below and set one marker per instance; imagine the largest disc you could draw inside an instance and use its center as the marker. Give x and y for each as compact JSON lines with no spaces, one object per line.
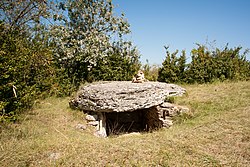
{"x":217,"y":133}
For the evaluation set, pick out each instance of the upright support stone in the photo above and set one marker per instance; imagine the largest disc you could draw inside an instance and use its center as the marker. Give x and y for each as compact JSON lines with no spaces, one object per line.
{"x":101,"y":131}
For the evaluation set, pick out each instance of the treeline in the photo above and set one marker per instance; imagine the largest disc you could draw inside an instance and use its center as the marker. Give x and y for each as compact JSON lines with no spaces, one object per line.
{"x":49,"y":48}
{"x":206,"y":65}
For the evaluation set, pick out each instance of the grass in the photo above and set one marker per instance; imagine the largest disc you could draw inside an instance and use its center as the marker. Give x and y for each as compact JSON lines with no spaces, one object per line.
{"x":216,"y":134}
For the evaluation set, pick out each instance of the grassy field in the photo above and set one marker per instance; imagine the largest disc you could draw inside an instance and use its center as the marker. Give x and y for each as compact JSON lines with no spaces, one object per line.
{"x":216,"y":133}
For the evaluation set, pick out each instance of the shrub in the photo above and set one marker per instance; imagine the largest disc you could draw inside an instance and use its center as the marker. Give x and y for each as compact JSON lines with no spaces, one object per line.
{"x":173,"y":67}
{"x":27,"y":72}
{"x":206,"y":66}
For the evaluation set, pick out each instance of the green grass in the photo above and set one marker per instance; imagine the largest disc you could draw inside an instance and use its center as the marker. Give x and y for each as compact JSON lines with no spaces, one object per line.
{"x":216,"y":134}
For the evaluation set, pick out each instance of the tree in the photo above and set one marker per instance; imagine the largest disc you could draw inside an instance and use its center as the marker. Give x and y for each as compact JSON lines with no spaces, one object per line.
{"x":218,"y":64}
{"x":117,"y":67}
{"x":23,"y":15}
{"x":200,"y":69}
{"x":172,"y":69}
{"x":89,"y":36}
{"x":181,"y":66}
{"x":25,"y":55}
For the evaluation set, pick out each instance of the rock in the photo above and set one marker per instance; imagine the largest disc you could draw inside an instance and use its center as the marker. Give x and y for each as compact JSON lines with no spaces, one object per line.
{"x":167,"y":123}
{"x":167,"y":105}
{"x":122,"y":106}
{"x":169,"y":109}
{"x":139,"y":77}
{"x":81,"y":126}
{"x":91,"y":117}
{"x":123,"y":96}
{"x":93,"y":123}
{"x":100,"y":134}
{"x":183,"y":109}
{"x":173,"y":111}
{"x":54,"y":156}
{"x":152,"y":119}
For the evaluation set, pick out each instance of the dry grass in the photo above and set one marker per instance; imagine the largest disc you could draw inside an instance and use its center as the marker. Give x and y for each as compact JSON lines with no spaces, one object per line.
{"x":218,"y":134}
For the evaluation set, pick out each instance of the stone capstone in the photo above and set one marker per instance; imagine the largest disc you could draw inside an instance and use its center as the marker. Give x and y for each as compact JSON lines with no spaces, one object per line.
{"x":123,"y":96}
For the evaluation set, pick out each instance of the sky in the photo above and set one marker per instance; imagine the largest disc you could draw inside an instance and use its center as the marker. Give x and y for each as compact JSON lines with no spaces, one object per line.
{"x":180,"y":24}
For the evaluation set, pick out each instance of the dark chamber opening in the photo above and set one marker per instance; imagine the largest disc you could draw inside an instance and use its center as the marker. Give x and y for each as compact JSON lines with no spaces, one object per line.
{"x":125,"y":122}
{"x":136,"y":121}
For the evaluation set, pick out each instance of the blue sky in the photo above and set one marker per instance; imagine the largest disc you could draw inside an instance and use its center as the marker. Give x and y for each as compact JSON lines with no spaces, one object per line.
{"x":182,"y":23}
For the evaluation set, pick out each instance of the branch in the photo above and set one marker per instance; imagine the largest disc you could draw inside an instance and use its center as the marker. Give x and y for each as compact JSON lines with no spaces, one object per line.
{"x":25,"y":11}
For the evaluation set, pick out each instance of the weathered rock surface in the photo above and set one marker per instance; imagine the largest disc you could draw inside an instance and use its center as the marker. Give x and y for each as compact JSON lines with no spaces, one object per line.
{"x":91,"y":117}
{"x":171,"y":110}
{"x":123,"y":96}
{"x":81,"y":127}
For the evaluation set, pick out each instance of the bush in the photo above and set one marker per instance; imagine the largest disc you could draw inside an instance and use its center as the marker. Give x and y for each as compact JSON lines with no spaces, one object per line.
{"x":226,"y":64}
{"x":116,"y":67}
{"x":27,"y":72}
{"x":173,"y":67}
{"x":38,"y":60}
{"x":206,"y":66}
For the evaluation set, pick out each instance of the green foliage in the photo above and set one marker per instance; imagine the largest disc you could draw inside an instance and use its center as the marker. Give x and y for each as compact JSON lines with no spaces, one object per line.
{"x":170,"y":99}
{"x":22,"y":16}
{"x":116,"y":67}
{"x":26,"y":69}
{"x":200,"y":69}
{"x":173,"y":67}
{"x":26,"y":64}
{"x":84,"y":43}
{"x":226,"y":64}
{"x":150,"y":71}
{"x":89,"y":41}
{"x":206,"y":66}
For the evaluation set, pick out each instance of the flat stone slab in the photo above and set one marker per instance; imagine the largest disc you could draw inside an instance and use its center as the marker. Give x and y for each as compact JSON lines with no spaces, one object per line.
{"x":123,"y":96}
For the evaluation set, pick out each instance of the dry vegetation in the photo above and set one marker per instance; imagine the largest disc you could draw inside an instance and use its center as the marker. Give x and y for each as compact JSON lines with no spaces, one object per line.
{"x":217,"y":134}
